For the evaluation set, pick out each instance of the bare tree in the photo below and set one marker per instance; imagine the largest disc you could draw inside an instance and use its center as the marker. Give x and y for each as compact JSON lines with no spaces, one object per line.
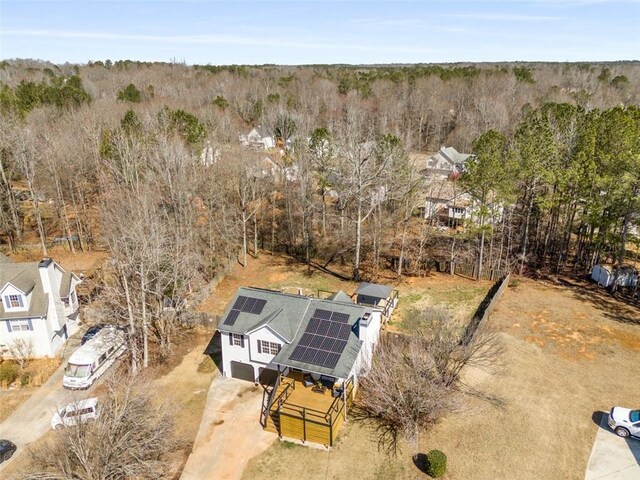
{"x":21,"y":350}
{"x":415,"y":380}
{"x":127,"y":440}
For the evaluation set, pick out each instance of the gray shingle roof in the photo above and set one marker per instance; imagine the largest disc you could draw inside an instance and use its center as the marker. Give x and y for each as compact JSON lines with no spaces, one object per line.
{"x":340,"y":297}
{"x":26,"y":277}
{"x":65,"y":284}
{"x":373,"y":290}
{"x":288,"y":316}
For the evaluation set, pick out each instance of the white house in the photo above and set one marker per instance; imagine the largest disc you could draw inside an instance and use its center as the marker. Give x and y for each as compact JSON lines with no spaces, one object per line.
{"x":259,"y":138}
{"x":39,"y":306}
{"x":446,"y":162}
{"x":330,"y":339}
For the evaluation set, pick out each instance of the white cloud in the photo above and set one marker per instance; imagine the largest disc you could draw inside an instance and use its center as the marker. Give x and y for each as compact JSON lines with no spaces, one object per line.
{"x":210,"y":39}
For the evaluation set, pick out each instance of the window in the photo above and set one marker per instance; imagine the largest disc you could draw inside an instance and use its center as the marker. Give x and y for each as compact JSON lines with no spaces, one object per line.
{"x":20,"y":325}
{"x":14,"y":301}
{"x":72,"y":298}
{"x":237,"y":340}
{"x":268,"y":347}
{"x":458,"y":210}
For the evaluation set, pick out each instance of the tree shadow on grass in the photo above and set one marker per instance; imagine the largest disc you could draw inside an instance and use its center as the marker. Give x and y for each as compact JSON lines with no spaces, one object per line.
{"x":618,"y":307}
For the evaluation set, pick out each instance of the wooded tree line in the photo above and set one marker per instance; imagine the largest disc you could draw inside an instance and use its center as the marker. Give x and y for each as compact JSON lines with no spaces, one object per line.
{"x":156,"y":173}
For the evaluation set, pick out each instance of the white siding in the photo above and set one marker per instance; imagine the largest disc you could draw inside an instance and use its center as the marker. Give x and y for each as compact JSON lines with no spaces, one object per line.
{"x":38,"y":337}
{"x":249,"y":353}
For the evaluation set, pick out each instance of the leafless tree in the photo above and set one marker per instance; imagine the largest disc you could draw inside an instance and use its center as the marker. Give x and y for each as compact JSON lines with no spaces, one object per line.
{"x":415,"y":380}
{"x":128,"y":440}
{"x":21,"y":350}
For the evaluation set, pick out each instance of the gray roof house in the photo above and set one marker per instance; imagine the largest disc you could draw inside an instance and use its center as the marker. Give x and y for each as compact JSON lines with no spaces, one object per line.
{"x":308,"y":353}
{"x":445,"y":162}
{"x":39,"y":306}
{"x":258,"y":138}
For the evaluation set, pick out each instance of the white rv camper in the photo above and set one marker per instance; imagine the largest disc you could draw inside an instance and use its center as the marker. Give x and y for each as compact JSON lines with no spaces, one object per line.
{"x":93,"y":358}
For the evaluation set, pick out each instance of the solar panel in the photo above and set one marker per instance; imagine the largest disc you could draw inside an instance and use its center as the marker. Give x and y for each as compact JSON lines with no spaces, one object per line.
{"x":257,"y":308}
{"x":324,"y":339}
{"x":323,"y":328}
{"x":313,"y":325}
{"x":322,"y":314}
{"x":340,"y":317}
{"x":332,"y":359}
{"x":248,"y":305}
{"x":327,"y":343}
{"x":309,"y":355}
{"x":231,"y":318}
{"x":239,"y":302}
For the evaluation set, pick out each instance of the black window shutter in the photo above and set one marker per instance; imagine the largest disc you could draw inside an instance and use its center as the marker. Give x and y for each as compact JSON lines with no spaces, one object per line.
{"x":231,"y":339}
{"x":259,"y":346}
{"x":242,"y":341}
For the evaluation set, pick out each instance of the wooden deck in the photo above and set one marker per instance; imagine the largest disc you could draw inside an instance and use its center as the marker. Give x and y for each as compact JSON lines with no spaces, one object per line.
{"x":306,"y":414}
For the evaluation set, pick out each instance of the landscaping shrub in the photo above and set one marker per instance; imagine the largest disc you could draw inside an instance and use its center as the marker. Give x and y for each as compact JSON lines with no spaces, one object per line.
{"x":25,"y":378}
{"x":513,"y":283}
{"x":436,"y":463}
{"x":8,"y":373}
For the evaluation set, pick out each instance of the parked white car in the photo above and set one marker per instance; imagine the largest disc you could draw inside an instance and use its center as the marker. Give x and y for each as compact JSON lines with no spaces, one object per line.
{"x":76,"y":412}
{"x":625,"y":422}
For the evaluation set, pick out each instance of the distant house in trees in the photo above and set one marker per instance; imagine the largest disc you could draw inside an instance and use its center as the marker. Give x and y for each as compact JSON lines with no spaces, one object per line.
{"x":258,"y":138}
{"x":39,"y":306}
{"x":447,"y":162}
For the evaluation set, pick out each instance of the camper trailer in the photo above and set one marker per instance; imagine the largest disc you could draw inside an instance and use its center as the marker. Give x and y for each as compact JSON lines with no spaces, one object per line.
{"x":93,"y":358}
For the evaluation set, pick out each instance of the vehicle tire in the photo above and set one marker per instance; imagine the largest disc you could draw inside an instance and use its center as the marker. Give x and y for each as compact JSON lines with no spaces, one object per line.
{"x":7,"y":456}
{"x":622,"y":432}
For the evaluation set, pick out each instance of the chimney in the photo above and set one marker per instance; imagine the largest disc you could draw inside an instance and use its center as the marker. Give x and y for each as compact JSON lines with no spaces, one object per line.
{"x":43,"y":266}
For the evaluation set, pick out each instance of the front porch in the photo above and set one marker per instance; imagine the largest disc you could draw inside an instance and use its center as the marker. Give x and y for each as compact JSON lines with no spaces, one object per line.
{"x":302,"y":410}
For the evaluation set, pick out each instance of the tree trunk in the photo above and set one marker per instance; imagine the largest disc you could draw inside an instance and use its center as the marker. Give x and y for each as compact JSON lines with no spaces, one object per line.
{"x":356,"y":261}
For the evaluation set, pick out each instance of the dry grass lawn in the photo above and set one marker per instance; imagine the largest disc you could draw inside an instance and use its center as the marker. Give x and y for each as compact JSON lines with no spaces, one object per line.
{"x":571,"y":351}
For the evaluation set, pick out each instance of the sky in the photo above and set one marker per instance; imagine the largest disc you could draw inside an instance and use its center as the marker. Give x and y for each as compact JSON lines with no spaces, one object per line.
{"x":319,"y":31}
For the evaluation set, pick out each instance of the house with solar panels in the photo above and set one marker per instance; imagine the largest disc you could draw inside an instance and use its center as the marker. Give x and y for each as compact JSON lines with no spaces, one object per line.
{"x":307,"y":353}
{"x":39,"y":306}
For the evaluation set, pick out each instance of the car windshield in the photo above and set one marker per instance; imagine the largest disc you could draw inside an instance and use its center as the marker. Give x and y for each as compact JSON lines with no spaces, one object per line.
{"x":634,"y":416}
{"x":77,"y":370}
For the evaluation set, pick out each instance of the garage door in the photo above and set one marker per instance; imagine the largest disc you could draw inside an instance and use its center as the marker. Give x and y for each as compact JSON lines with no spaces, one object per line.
{"x":243,"y":371}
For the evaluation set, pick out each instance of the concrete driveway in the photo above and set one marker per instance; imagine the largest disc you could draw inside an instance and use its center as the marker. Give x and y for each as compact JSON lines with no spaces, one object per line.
{"x":32,"y":419}
{"x":613,"y":457}
{"x":230,"y":433}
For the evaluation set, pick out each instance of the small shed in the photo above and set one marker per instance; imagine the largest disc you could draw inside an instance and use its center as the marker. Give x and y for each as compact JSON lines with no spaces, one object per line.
{"x":382,"y":296}
{"x":602,"y":275}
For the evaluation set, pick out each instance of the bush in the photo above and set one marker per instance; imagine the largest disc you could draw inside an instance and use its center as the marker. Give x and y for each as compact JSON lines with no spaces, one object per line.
{"x":130,"y":93}
{"x":25,"y":379}
{"x":8,"y":373}
{"x":436,"y":463}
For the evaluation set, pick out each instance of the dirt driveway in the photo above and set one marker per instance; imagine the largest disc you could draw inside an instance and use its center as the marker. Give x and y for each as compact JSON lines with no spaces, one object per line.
{"x":230,"y":434}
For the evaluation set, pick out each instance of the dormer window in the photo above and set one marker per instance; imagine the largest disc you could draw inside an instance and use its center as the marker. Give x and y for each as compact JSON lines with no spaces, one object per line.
{"x":13,"y":301}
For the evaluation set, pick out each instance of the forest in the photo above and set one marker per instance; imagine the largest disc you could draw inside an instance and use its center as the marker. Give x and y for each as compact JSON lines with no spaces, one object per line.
{"x":144,"y":159}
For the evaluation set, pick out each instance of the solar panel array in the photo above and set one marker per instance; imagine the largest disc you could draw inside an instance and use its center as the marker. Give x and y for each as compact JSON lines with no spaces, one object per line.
{"x":324,"y":339}
{"x":246,"y":305}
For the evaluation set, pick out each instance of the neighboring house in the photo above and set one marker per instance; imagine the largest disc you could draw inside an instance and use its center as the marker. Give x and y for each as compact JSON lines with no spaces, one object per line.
{"x":447,"y":203}
{"x":39,"y":306}
{"x":258,"y":138}
{"x":446,"y":162}
{"x":270,"y":166}
{"x":307,"y":352}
